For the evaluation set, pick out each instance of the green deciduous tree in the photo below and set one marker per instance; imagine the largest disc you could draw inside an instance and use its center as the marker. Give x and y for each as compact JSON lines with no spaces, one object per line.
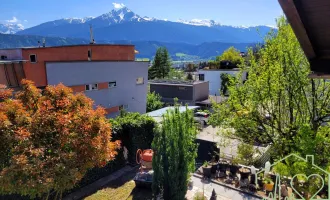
{"x":174,"y":154}
{"x":161,"y":64}
{"x":279,"y":104}
{"x":226,"y":81}
{"x":232,"y":55}
{"x":175,"y":74}
{"x":154,"y":101}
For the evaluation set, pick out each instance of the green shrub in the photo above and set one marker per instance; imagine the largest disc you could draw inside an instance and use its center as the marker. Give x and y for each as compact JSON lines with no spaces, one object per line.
{"x":135,"y":131}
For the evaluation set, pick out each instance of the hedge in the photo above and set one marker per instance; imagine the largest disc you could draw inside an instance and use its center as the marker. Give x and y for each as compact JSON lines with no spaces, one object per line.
{"x":135,"y":131}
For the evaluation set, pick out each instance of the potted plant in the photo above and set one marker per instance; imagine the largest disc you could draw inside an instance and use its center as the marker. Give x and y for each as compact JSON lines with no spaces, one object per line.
{"x":214,"y":165}
{"x":223,"y":165}
{"x":206,"y":169}
{"x":245,"y":172}
{"x":260,"y":180}
{"x":268,"y":184}
{"x":234,"y":167}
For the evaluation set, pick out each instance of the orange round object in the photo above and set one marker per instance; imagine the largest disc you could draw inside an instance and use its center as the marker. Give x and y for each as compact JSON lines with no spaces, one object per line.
{"x":147,"y":155}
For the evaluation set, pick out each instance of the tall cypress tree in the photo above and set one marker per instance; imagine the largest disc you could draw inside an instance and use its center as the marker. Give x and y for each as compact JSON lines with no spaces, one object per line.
{"x":174,"y":154}
{"x":161,"y":64}
{"x":165,"y":62}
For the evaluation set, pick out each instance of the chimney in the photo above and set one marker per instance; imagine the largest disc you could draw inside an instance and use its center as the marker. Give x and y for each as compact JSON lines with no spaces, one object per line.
{"x":92,"y":41}
{"x":39,"y":44}
{"x":44,"y":42}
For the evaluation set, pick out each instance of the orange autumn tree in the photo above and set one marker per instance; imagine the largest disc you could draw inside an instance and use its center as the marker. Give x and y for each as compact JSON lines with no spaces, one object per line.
{"x":49,"y":139}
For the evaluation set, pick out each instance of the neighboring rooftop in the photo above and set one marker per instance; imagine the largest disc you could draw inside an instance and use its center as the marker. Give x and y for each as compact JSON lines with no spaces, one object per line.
{"x":41,"y":47}
{"x":158,"y":114}
{"x":211,"y":99}
{"x":11,"y":61}
{"x":234,"y":69}
{"x":175,"y":82}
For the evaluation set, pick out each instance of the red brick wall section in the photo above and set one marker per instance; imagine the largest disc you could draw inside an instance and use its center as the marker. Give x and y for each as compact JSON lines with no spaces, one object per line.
{"x":112,"y":109}
{"x":81,"y":88}
{"x":78,"y":88}
{"x":37,"y":71}
{"x":102,"y":86}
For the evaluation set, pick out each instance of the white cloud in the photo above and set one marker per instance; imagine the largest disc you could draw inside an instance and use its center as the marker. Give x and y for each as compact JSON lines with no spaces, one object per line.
{"x":118,"y":5}
{"x":14,"y":20}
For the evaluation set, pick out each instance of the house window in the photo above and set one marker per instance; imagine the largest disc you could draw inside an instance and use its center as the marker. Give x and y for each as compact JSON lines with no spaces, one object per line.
{"x":91,"y":87}
{"x":123,"y":107}
{"x":3,"y":58}
{"x":140,"y":81}
{"x":89,"y":55}
{"x":201,"y":77}
{"x":33,"y":58}
{"x":112,"y":84}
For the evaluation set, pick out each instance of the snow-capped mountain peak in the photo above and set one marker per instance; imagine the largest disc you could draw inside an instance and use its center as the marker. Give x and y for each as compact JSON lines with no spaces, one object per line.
{"x":115,"y":16}
{"x":10,"y":28}
{"x":199,"y":22}
{"x":149,"y":18}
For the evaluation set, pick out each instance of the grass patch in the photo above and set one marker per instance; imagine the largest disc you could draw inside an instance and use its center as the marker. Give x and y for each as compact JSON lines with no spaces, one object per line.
{"x":180,"y":54}
{"x":127,"y":191}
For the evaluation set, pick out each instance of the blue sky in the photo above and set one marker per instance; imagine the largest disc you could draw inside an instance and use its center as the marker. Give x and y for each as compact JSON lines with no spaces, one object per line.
{"x":229,"y":12}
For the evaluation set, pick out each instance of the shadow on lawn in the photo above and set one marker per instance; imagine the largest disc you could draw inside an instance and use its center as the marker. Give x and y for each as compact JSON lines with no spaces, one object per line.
{"x":122,"y":188}
{"x":140,"y":194}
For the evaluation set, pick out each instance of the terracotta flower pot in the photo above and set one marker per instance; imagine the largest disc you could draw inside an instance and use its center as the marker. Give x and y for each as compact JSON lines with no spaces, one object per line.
{"x":269,"y":187}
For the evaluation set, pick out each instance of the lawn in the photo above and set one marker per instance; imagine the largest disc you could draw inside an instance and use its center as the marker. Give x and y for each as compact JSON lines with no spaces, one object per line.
{"x":123,"y":189}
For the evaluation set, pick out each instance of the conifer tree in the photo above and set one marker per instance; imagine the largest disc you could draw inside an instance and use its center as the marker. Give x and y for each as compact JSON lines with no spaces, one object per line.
{"x":161,"y":64}
{"x":174,"y":154}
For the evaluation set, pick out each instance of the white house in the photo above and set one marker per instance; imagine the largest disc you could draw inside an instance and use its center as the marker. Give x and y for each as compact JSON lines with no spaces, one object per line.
{"x":213,"y":77}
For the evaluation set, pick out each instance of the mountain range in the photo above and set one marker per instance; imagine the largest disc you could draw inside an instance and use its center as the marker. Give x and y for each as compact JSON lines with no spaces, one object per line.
{"x":124,"y":24}
{"x":128,"y":27}
{"x":147,"y":49}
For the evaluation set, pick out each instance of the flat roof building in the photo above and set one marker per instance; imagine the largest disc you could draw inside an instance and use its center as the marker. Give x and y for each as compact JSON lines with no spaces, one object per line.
{"x":106,"y":73}
{"x":187,"y":92}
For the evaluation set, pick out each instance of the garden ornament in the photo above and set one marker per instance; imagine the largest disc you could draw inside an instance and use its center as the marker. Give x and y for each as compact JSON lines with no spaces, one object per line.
{"x":267,"y":168}
{"x":253,"y":170}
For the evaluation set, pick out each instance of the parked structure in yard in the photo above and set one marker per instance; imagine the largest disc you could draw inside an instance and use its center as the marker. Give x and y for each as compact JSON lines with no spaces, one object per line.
{"x":187,"y":92}
{"x":213,"y":76}
{"x":106,"y":73}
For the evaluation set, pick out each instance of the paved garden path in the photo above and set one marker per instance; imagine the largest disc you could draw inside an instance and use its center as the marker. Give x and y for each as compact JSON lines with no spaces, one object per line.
{"x":223,"y":193}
